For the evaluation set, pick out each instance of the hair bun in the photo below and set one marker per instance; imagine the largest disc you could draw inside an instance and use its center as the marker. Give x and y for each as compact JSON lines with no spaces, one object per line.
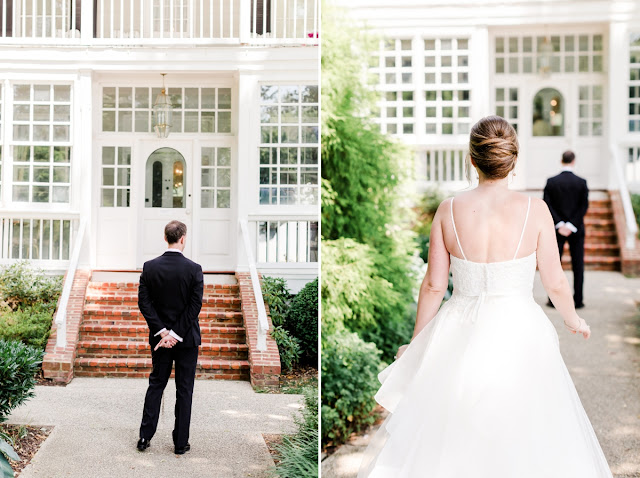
{"x":493,"y":145}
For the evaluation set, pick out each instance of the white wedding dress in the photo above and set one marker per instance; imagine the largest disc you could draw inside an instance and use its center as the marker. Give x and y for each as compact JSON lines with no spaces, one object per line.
{"x":482,"y":391}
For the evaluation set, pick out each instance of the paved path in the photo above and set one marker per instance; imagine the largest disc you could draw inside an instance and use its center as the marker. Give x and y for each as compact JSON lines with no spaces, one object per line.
{"x":96,"y":429}
{"x":605,"y":370}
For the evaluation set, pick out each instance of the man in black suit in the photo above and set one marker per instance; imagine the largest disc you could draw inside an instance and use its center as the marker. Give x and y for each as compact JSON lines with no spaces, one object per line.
{"x":170,"y":299}
{"x":567,"y":196}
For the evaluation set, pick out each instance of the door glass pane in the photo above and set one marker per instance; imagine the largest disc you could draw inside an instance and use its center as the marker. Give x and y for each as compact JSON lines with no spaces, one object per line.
{"x":548,"y":113}
{"x":165,"y":179}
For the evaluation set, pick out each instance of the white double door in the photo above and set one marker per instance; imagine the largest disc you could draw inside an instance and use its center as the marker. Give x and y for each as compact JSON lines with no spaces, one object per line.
{"x":189,"y":181}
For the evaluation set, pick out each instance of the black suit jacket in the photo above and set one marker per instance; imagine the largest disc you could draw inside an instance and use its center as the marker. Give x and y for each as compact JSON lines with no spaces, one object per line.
{"x":567,"y":196}
{"x":170,"y":296}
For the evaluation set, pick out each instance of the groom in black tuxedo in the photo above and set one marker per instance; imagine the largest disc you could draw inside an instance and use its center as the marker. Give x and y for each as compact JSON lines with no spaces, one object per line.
{"x":567,"y":196}
{"x":170,"y":299}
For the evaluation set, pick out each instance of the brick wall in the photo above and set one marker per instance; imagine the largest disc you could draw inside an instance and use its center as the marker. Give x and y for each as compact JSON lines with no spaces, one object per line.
{"x":630,"y":258}
{"x":58,"y":362}
{"x":264,"y":366}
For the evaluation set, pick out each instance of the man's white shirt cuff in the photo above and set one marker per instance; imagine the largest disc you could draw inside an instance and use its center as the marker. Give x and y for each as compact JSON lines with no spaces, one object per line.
{"x":163,"y":330}
{"x":175,"y":336}
{"x":560,"y":224}
{"x":571,"y":227}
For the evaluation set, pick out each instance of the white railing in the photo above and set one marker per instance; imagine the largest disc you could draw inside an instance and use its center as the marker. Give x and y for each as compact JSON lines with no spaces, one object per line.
{"x":263,"y":323}
{"x":61,"y":313}
{"x":285,"y":239}
{"x":630,"y":218}
{"x":160,"y":21}
{"x":442,"y":165}
{"x":39,"y":237}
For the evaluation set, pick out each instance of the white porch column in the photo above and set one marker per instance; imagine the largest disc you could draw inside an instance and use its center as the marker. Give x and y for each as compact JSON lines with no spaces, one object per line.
{"x":83,"y":175}
{"x":246,"y":180}
{"x":86,"y":19}
{"x":618,"y":71}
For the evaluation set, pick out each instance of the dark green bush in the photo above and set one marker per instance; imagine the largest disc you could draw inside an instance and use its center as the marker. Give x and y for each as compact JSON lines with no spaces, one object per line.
{"x":288,"y":347}
{"x":635,"y":202}
{"x":302,"y":321}
{"x":18,"y":366}
{"x":350,"y":370}
{"x":22,"y":286}
{"x":277,"y":295}
{"x":30,"y":325}
{"x":299,"y":452}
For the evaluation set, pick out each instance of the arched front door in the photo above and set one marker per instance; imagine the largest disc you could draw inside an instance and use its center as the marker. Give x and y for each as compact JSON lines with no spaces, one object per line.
{"x":167,"y":196}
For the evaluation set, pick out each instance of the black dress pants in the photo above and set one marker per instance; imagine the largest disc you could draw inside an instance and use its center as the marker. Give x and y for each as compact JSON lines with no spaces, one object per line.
{"x":576,"y":249}
{"x":186,"y":360}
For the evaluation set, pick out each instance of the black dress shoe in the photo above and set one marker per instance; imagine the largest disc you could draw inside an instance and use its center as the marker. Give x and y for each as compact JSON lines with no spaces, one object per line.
{"x":579,"y":306}
{"x":550,"y":304}
{"x":143,"y":444}
{"x":183,"y":450}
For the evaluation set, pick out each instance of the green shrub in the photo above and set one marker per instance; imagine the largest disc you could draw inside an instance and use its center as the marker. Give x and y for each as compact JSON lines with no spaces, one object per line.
{"x":277,"y":295}
{"x":18,"y":366}
{"x":302,"y":321}
{"x":288,"y":347}
{"x":30,"y":325}
{"x":635,"y":202}
{"x":299,"y":452}
{"x":425,"y":211}
{"x":23,"y":286}
{"x":350,"y":370}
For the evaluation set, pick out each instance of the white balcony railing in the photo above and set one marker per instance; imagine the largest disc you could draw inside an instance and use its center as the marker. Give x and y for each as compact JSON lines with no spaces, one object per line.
{"x":442,"y":165}
{"x":159,"y":21}
{"x":282,"y":239}
{"x":43,"y":238}
{"x":631,"y":229}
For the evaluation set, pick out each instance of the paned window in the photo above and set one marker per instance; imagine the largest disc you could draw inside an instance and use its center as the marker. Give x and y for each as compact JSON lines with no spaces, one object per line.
{"x":41,"y":143}
{"x":195,"y":110}
{"x":215,"y":180}
{"x":116,"y":176}
{"x":289,"y":144}
{"x":507,"y":105}
{"x":590,"y":111}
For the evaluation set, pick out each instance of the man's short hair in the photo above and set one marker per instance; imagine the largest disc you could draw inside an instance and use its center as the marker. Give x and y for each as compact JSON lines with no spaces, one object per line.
{"x":568,"y":157}
{"x":174,"y":231}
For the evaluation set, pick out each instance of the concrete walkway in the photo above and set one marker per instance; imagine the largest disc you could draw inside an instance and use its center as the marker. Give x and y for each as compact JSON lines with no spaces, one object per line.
{"x":605,"y":370}
{"x":97,"y":420}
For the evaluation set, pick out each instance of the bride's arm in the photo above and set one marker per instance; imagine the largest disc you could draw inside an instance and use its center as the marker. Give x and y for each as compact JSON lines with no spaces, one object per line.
{"x":553,"y":278}
{"x":436,"y":280}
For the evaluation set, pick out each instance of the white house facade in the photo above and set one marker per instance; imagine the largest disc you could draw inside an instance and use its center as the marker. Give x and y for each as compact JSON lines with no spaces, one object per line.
{"x":83,"y":169}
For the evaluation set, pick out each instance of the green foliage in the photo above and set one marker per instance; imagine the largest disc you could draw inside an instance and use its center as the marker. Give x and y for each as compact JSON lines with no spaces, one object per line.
{"x":349,"y":381}
{"x":302,"y":320}
{"x":299,"y":452}
{"x":7,"y":451}
{"x":30,"y":325}
{"x":18,"y":366}
{"x":277,"y":295}
{"x":23,"y":286}
{"x":425,"y":211}
{"x":288,"y":346}
{"x":635,"y":202}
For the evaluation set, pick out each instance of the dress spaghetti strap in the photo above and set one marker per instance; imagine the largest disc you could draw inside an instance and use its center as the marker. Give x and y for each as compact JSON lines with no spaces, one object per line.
{"x":456,"y":232}
{"x":523,"y":228}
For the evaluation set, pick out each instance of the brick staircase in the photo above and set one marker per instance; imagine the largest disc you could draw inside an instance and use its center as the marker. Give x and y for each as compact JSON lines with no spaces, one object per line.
{"x":601,"y":248}
{"x":113,"y":337}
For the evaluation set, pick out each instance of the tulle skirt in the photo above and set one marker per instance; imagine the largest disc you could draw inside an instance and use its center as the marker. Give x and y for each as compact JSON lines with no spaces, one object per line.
{"x":483,"y":392}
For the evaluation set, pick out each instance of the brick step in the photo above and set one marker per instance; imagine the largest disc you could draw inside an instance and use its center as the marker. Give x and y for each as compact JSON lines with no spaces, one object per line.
{"x":599,"y":212}
{"x":597,"y":249}
{"x":601,"y":237}
{"x":133,"y":287}
{"x":598,"y":224}
{"x":222,"y":303}
{"x":95,"y":330}
{"x":595,"y":263}
{"x":138,"y":367}
{"x":600,"y":203}
{"x":99,"y":312}
{"x":127,"y":348}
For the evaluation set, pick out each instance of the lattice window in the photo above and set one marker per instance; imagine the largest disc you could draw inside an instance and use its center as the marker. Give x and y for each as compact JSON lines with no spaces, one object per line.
{"x":590,"y":110}
{"x":446,"y":91}
{"x":289,"y":144}
{"x":41,"y":143}
{"x":116,"y":176}
{"x":507,"y":105}
{"x":195,"y":110}
{"x":393,"y":65}
{"x":634,"y":83}
{"x":215,"y":181}
{"x":582,"y":53}
{"x":167,"y":19}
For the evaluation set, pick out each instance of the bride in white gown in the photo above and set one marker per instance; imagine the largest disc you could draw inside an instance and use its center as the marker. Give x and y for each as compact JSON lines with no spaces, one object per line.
{"x":482,"y":390}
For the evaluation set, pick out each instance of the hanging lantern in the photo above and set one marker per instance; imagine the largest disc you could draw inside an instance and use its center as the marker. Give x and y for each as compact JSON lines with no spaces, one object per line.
{"x":544,"y":57}
{"x":162,"y":113}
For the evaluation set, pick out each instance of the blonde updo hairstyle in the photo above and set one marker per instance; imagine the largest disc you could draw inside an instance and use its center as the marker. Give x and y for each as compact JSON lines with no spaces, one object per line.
{"x":493,"y":145}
